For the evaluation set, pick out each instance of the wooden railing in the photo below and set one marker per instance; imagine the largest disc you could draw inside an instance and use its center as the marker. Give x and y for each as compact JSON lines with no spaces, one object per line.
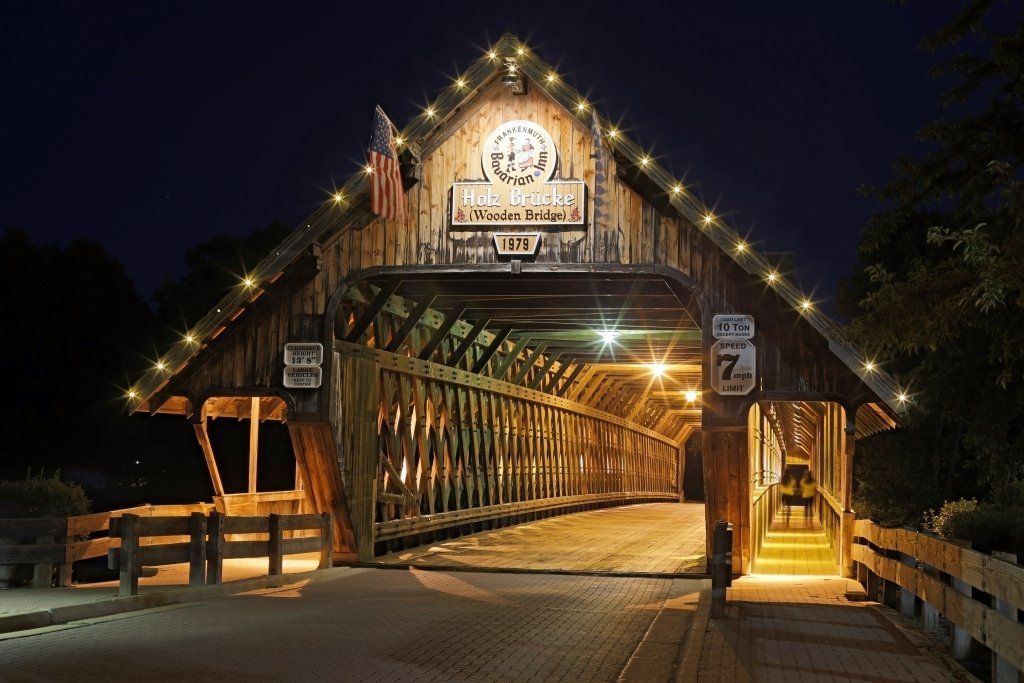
{"x":830,"y":512}
{"x":207,"y":547}
{"x":979,"y":595}
{"x":59,"y":542}
{"x":766,"y":504}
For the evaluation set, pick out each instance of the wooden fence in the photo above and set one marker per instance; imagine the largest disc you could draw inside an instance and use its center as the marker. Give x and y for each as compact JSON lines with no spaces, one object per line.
{"x":206,"y":545}
{"x":59,"y":542}
{"x":979,"y":595}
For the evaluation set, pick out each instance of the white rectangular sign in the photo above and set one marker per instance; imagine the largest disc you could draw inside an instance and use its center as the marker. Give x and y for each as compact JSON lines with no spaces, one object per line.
{"x":304,"y":354}
{"x":733,"y":367}
{"x":516,"y":243}
{"x":298,"y":377}
{"x":732,"y":327}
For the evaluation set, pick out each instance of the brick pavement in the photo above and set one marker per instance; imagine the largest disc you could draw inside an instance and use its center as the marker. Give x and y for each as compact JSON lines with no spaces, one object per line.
{"x":647,"y":538}
{"x":803,"y":629}
{"x":382,"y":625}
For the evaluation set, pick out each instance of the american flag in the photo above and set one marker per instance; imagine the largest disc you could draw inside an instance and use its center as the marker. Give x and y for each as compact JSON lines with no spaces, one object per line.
{"x":599,"y":170}
{"x":387,"y":199}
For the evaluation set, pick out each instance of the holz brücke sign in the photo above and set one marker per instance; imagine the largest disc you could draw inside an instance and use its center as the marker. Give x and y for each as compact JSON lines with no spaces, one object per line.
{"x":518,"y":159}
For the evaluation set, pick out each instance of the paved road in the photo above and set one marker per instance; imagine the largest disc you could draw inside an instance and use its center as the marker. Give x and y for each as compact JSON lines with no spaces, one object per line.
{"x":374,"y":624}
{"x":647,"y":538}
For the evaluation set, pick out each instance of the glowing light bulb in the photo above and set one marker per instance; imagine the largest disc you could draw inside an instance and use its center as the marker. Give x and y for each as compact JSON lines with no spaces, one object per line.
{"x":678,"y":189}
{"x":399,"y":141}
{"x":657,"y":369}
{"x":869,"y":366}
{"x":608,"y":336}
{"x":552,"y":77}
{"x":644,"y":160}
{"x":581,"y":105}
{"x":741,"y":246}
{"x":708,"y":218}
{"x":132,"y":394}
{"x":248,"y":282}
{"x":612,"y":133}
{"x":902,"y":397}
{"x":805,"y":305}
{"x":521,"y":50}
{"x":429,"y":112}
{"x":492,"y":55}
{"x":368,"y":169}
{"x":691,"y":396}
{"x":160,"y":366}
{"x":460,"y":83}
{"x":190,"y":338}
{"x":772,"y":276}
{"x":338,"y":198}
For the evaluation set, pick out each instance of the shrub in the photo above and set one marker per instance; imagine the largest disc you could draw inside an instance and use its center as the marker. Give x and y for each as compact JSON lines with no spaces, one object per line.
{"x":989,"y":526}
{"x":41,"y":496}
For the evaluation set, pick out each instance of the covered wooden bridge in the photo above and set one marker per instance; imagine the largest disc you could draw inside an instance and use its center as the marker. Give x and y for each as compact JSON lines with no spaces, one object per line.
{"x":536,"y":336}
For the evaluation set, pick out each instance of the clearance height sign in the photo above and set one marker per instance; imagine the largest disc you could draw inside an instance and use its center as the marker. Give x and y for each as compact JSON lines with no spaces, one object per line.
{"x":518,"y":160}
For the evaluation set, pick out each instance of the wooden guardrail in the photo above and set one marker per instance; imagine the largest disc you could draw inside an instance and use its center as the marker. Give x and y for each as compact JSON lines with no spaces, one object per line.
{"x":207,"y":547}
{"x":49,"y":542}
{"x":979,"y":595}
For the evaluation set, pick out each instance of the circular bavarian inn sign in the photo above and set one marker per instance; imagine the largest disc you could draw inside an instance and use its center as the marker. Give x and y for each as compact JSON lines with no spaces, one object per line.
{"x":520,"y":154}
{"x":518,"y":159}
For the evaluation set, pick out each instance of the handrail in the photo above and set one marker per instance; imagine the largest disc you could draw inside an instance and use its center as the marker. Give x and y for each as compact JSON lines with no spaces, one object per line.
{"x":916,"y":563}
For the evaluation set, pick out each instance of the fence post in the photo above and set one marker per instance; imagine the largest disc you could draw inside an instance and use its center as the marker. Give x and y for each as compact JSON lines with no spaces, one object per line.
{"x":907,"y":599}
{"x":64,"y":570}
{"x":42,"y":572}
{"x":274,"y":545}
{"x":961,"y":638}
{"x":215,"y":549}
{"x":196,"y":549}
{"x":721,"y":566}
{"x":1002,"y":670}
{"x":128,"y":569}
{"x":326,"y":540}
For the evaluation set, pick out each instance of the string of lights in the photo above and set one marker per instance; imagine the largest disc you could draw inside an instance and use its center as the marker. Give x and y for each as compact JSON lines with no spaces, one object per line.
{"x":513,"y":56}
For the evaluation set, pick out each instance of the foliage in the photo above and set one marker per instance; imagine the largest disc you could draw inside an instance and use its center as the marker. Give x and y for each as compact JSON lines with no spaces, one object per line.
{"x":889,"y":487}
{"x":212,"y":269}
{"x":41,"y":496}
{"x":989,"y":526}
{"x":939,"y":295}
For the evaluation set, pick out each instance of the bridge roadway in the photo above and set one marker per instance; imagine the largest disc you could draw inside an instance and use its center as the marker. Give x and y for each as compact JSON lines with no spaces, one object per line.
{"x":653,"y":538}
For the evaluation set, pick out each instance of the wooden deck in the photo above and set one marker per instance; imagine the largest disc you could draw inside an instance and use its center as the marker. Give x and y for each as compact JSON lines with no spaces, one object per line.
{"x":798,"y":546}
{"x":652,"y":538}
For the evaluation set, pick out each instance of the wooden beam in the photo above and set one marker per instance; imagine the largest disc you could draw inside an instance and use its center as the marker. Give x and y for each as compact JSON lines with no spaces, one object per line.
{"x":542,"y":373}
{"x":558,"y":375}
{"x":439,"y":334}
{"x":211,"y":463}
{"x":467,"y":343}
{"x":576,"y":371}
{"x":372,"y":309}
{"x":531,"y":359}
{"x":489,"y":352}
{"x":254,"y":440}
{"x":506,"y":362}
{"x":410,"y":324}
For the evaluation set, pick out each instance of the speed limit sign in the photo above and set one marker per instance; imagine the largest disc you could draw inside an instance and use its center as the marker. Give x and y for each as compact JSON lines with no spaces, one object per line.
{"x":733,"y":367}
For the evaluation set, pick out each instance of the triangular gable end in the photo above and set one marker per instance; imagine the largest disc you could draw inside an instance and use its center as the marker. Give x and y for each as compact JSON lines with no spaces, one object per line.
{"x":350,"y":199}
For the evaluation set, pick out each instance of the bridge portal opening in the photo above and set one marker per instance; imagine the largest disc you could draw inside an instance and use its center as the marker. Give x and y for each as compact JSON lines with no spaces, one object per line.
{"x":503,"y":394}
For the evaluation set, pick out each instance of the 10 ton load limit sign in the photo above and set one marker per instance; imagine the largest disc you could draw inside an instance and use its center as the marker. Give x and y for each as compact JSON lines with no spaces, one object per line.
{"x":733,"y":355}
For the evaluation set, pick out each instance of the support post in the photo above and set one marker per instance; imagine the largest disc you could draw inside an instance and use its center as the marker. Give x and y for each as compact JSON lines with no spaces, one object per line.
{"x":326,"y":540}
{"x":196,"y":549}
{"x":215,"y":549}
{"x":961,"y":638}
{"x":1003,"y":671}
{"x":203,"y":436}
{"x":275,"y":546}
{"x":849,"y":517}
{"x":42,"y":572}
{"x":128,"y":566}
{"x":727,"y":488}
{"x":254,"y":440}
{"x":908,"y":601}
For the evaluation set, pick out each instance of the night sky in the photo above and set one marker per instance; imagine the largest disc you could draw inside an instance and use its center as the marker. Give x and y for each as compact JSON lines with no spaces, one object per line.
{"x":153,"y":126}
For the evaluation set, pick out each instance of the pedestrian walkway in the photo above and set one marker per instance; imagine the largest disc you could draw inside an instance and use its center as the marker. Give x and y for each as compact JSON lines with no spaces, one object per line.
{"x":653,"y":538}
{"x":804,"y":629}
{"x":18,"y":601}
{"x":795,"y":545}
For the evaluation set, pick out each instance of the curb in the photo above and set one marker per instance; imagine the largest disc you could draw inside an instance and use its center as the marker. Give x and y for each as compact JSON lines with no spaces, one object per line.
{"x":524,"y":570}
{"x":689,"y":667}
{"x":56,"y":616}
